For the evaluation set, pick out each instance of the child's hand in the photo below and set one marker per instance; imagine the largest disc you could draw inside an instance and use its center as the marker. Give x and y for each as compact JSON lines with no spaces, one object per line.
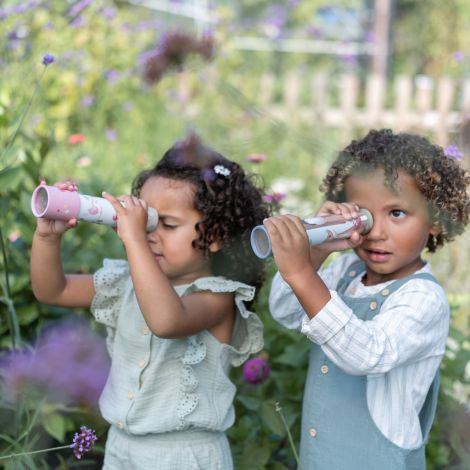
{"x":290,"y":245}
{"x":131,"y":217}
{"x":48,"y":228}
{"x":348,"y":211}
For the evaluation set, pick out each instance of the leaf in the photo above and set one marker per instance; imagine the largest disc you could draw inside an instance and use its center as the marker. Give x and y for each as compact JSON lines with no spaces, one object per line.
{"x":254,"y":456}
{"x":249,"y":403}
{"x":10,"y":178}
{"x":272,"y":419}
{"x":54,"y":424}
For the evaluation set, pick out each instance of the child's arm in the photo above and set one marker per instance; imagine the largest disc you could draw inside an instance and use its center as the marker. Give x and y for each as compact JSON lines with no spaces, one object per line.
{"x":298,"y":263}
{"x":166,"y":314}
{"x":49,"y":283}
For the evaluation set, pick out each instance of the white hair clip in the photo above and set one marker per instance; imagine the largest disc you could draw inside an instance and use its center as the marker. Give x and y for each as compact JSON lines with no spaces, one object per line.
{"x":221,"y":170}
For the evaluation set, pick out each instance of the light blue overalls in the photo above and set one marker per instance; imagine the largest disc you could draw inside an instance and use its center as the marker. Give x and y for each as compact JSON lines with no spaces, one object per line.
{"x":351,"y":440}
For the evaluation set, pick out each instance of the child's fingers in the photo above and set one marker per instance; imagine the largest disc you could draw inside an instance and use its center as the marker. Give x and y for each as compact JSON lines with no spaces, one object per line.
{"x":115,"y":202}
{"x":67,"y":185}
{"x":72,"y":223}
{"x":348,"y":210}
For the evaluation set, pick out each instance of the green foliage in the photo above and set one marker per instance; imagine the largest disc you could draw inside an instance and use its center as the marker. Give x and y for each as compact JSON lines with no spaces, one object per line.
{"x":79,"y":95}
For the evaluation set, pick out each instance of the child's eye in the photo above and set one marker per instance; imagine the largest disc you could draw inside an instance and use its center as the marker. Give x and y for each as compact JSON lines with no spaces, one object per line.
{"x":398,"y":214}
{"x":169,"y":226}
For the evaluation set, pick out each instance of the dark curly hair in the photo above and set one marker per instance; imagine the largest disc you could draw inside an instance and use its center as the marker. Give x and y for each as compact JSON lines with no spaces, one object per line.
{"x":231,"y":205}
{"x":440,"y":179}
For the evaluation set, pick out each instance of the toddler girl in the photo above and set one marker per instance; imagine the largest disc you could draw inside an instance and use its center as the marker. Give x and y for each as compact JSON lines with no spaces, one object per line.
{"x":377,"y":318}
{"x":177,"y":311}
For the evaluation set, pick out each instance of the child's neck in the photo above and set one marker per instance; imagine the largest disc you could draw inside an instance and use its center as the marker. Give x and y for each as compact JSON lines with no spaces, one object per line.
{"x":372,"y":278}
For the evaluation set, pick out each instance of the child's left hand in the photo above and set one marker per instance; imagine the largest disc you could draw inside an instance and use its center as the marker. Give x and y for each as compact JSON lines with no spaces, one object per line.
{"x":131,"y":217}
{"x":290,"y":245}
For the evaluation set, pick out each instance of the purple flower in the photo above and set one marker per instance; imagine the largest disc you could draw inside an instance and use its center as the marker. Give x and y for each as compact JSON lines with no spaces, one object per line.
{"x":83,"y":442}
{"x":48,"y":59}
{"x":111,"y":134}
{"x":68,"y":364}
{"x":79,"y":7}
{"x":256,"y":370}
{"x":274,"y":197}
{"x":459,"y":56}
{"x":87,"y":101}
{"x":452,"y":151}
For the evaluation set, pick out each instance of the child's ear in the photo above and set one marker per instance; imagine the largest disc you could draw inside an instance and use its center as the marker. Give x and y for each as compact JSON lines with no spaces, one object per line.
{"x":435,"y":229}
{"x":215,"y":246}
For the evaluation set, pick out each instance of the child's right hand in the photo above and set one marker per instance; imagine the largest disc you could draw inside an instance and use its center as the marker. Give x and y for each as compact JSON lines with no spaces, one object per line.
{"x":49,"y":228}
{"x":348,"y":211}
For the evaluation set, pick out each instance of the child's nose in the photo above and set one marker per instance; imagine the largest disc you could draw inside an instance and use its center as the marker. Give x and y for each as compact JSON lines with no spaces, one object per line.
{"x":153,"y":236}
{"x":377,"y":232}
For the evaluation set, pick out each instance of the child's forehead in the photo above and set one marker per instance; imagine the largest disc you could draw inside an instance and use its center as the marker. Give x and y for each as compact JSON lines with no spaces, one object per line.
{"x":169,"y":189}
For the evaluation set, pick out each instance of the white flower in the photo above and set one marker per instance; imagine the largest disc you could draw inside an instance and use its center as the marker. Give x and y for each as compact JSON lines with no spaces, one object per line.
{"x":221,"y":170}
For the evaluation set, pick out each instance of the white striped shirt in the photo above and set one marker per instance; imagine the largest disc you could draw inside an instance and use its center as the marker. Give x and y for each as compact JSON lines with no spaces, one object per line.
{"x":399,"y":350}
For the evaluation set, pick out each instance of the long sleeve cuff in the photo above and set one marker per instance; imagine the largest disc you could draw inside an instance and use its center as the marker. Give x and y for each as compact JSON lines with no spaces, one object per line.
{"x":328,"y":321}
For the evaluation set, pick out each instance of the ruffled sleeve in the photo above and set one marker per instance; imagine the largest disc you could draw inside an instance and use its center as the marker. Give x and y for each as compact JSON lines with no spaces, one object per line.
{"x":247,"y":336}
{"x":109,"y":282}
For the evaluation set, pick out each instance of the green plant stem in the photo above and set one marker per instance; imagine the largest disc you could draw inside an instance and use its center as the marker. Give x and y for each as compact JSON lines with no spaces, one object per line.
{"x":289,"y":435}
{"x":22,"y":117}
{"x":12,"y":317}
{"x":33,"y":452}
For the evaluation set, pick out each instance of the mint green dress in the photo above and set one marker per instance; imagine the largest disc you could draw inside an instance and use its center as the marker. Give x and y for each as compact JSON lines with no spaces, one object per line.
{"x":169,"y":401}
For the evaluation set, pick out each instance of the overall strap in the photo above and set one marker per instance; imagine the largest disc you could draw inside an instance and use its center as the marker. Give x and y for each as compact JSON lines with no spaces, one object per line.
{"x":359,"y":266}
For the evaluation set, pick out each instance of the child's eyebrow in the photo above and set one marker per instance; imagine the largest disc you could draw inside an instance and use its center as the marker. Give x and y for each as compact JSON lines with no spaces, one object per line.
{"x":170,"y":217}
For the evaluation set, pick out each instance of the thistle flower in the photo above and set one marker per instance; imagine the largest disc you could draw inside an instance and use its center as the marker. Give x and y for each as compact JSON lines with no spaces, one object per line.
{"x":48,"y":59}
{"x":83,"y":442}
{"x":256,"y":370}
{"x":452,"y":151}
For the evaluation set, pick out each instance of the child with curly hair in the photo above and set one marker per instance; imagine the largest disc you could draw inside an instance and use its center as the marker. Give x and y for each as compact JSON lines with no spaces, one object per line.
{"x":177,"y":311}
{"x":377,"y":318}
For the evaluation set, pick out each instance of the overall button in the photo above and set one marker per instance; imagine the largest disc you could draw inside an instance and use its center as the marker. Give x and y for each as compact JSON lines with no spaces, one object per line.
{"x":313,"y":432}
{"x":145,"y":330}
{"x":385,"y":292}
{"x":352,"y":273}
{"x":373,"y":305}
{"x":120,"y":424}
{"x":130,"y":395}
{"x":324,"y":369}
{"x":142,"y":363}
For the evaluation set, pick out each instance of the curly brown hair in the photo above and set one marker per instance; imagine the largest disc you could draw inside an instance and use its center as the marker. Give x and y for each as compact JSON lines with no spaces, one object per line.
{"x":440,"y":179}
{"x":231,"y":205}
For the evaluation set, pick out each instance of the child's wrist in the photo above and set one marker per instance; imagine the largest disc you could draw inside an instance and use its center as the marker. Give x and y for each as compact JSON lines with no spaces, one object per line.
{"x":48,"y":237}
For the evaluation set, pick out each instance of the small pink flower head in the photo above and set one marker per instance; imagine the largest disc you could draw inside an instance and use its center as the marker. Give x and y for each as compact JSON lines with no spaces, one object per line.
{"x":274,"y":197}
{"x":256,"y":157}
{"x":452,"y":151}
{"x":75,"y":139}
{"x":256,"y":370}
{"x":83,"y":442}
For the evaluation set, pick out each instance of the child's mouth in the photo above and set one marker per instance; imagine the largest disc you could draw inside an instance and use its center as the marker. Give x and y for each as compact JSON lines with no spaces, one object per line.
{"x":378,"y":256}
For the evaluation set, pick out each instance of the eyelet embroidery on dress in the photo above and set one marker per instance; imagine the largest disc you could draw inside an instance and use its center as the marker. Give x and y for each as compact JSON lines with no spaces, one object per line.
{"x":194,"y":354}
{"x":109,"y":283}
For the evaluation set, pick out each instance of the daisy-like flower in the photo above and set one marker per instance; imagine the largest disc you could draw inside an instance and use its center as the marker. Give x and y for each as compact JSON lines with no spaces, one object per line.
{"x":83,"y":442}
{"x":221,"y":170}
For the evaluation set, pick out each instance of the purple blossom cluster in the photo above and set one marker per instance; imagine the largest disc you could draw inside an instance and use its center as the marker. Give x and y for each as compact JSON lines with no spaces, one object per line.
{"x":83,"y":442}
{"x":172,"y":52}
{"x":69,"y":364}
{"x":256,"y":370}
{"x":452,"y":151}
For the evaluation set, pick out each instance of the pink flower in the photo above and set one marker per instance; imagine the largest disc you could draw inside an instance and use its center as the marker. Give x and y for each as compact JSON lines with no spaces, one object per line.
{"x":75,"y":139}
{"x":274,"y":197}
{"x":256,"y":370}
{"x":256,"y":157}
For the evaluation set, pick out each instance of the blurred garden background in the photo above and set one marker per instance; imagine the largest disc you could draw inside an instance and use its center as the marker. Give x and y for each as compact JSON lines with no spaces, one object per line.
{"x":279,"y":86}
